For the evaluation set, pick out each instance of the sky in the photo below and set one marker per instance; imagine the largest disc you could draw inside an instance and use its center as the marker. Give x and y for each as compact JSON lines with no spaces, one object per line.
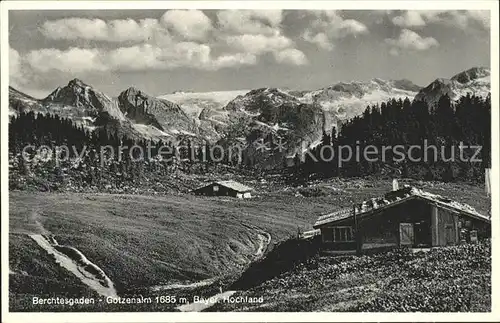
{"x":162,"y":51}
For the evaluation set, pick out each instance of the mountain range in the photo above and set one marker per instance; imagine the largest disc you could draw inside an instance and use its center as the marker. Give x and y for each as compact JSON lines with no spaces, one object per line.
{"x":244,"y":115}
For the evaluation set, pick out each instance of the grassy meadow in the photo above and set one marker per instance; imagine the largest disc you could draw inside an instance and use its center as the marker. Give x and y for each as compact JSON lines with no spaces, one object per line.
{"x":141,"y":241}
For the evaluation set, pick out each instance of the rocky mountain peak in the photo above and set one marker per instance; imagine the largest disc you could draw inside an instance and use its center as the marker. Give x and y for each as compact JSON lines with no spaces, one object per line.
{"x":405,"y":84}
{"x":77,"y":94}
{"x":471,"y":74}
{"x":148,"y":110}
{"x":132,"y":91}
{"x":77,"y":83}
{"x":474,"y":80}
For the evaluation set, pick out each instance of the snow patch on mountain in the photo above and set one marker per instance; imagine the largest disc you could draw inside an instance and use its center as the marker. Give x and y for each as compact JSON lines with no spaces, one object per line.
{"x":348,"y":99}
{"x":276,"y":127}
{"x":476,"y":81}
{"x":150,"y":132}
{"x":193,"y":103}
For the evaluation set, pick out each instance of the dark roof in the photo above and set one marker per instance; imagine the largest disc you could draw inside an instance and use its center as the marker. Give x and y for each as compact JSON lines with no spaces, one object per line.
{"x":393,"y":198}
{"x":230,"y":184}
{"x":334,"y":217}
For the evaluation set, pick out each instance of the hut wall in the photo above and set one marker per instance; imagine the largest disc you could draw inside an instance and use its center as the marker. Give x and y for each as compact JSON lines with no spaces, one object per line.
{"x":383,"y":229}
{"x":326,"y":233}
{"x":483,"y":228}
{"x":414,"y":223}
{"x":220,"y":190}
{"x":216,"y":190}
{"x":467,"y":224}
{"x":445,"y":231}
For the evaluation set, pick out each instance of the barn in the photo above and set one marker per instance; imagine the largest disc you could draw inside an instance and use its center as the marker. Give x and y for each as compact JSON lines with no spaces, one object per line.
{"x":405,"y":217}
{"x":225,"y":188}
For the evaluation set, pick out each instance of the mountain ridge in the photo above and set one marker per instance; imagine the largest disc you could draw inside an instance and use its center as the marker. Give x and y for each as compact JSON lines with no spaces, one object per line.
{"x":299,"y":117}
{"x":475,"y":80}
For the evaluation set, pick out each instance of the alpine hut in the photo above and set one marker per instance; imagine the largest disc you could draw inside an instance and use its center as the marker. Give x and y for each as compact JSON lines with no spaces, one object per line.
{"x":225,"y":188}
{"x":405,"y":217}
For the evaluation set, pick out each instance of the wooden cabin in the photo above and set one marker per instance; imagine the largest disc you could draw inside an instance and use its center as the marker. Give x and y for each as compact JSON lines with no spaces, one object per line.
{"x":225,"y":188}
{"x":405,"y":217}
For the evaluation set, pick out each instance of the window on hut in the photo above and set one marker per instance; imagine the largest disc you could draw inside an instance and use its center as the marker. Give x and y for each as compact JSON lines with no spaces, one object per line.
{"x":338,"y":234}
{"x":327,"y":234}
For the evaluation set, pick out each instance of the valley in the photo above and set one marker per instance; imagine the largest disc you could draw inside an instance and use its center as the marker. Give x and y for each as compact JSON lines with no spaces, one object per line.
{"x":165,"y":160}
{"x":176,"y":244}
{"x":94,"y":227}
{"x":142,"y":242}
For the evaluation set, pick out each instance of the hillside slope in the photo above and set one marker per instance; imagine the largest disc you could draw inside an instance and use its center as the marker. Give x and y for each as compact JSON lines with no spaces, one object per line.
{"x":450,"y":279}
{"x":141,"y":242}
{"x":160,"y":242}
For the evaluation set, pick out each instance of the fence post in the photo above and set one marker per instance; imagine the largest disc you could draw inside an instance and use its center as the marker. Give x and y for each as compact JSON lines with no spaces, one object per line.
{"x":358,"y":234}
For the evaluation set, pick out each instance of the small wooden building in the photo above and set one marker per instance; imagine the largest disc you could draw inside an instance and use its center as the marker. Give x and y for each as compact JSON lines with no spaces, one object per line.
{"x":405,"y":217}
{"x":225,"y":188}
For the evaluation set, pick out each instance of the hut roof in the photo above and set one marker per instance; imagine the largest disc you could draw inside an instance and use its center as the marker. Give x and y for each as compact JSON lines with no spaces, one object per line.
{"x":236,"y":186}
{"x":393,"y":198}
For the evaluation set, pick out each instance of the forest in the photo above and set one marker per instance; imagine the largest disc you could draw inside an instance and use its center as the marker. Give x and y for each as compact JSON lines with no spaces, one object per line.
{"x":446,"y":126}
{"x":403,"y":123}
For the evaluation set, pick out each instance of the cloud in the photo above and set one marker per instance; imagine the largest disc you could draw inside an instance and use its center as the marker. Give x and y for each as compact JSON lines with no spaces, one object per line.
{"x":409,"y":19}
{"x":14,"y":63}
{"x":410,"y":40}
{"x":265,"y":22}
{"x":455,"y":18}
{"x":281,"y":47}
{"x":291,"y":56}
{"x":381,"y":12}
{"x":100,"y":30}
{"x":394,"y":51}
{"x":320,"y":39}
{"x":75,"y":28}
{"x":180,"y":38}
{"x":351,"y":27}
{"x":190,"y":24}
{"x":187,"y":54}
{"x":73,"y":60}
{"x":335,"y":26}
{"x":327,"y":26}
{"x":139,"y":57}
{"x":133,"y":58}
{"x":231,"y":60}
{"x":19,"y":76}
{"x":483,"y":17}
{"x":258,"y":44}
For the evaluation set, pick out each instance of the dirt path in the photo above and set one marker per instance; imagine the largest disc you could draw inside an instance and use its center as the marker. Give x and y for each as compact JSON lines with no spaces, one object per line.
{"x":264,"y":239}
{"x":89,"y":273}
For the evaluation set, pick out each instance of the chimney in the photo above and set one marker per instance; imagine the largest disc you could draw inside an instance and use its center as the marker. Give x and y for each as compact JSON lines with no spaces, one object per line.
{"x":395,"y":185}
